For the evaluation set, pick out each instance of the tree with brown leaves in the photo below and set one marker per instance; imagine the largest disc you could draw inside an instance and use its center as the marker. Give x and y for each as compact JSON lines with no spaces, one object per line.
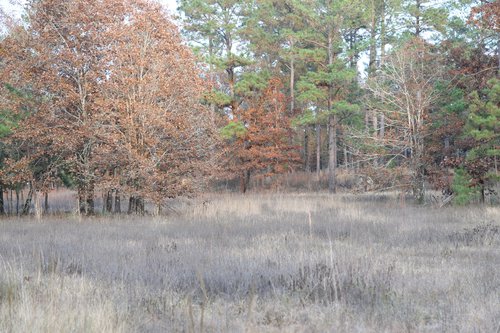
{"x":158,"y":133}
{"x":117,"y":93}
{"x":259,"y":139}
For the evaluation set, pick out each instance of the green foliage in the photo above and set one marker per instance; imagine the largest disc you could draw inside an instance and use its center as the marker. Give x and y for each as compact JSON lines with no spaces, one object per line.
{"x":344,"y":107}
{"x":465,"y":192}
{"x":313,"y":85}
{"x":67,"y":178}
{"x":308,"y":117}
{"x":9,"y":119}
{"x":252,"y":82}
{"x":231,"y":61}
{"x":420,"y":16}
{"x":483,"y":123}
{"x":218,"y":98}
{"x":233,"y":130}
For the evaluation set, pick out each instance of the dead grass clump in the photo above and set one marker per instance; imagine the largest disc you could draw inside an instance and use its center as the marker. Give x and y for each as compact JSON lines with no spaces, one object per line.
{"x":353,"y":284}
{"x":486,"y":234}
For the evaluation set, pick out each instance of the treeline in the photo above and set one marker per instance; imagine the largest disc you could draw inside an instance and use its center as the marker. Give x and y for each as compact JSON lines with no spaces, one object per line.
{"x":105,"y":96}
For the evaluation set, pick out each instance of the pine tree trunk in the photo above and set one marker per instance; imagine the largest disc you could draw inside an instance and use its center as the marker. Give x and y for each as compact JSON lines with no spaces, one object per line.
{"x":318,"y":151}
{"x":375,"y":133}
{"x":381,"y":137}
{"x":418,"y":18}
{"x":292,"y":83}
{"x":332,"y":125}
{"x":373,"y":40}
{"x":498,"y":56}
{"x":346,"y":158}
{"x":382,"y":33}
{"x":332,"y":146}
{"x":307,"y":167}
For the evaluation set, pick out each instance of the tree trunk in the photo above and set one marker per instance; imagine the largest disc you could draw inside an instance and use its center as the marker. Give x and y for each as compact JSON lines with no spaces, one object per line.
{"x":346,"y":158}
{"x":482,"y":190}
{"x":2,"y":207}
{"x":38,"y":207}
{"x":27,"y":204}
{"x":139,"y":206}
{"x":244,"y":181}
{"x":382,"y":126}
{"x":158,"y":209}
{"x":118,"y":208}
{"x":318,"y":151}
{"x":11,"y":203}
{"x":109,"y":202}
{"x":136,"y":205}
{"x":86,"y":199}
{"x":292,"y":82}
{"x":418,"y":186}
{"x":381,"y":136}
{"x":332,"y":149}
{"x":212,"y":79}
{"x":332,"y":124}
{"x":17,"y":200}
{"x":418,"y":18}
{"x":418,"y":170}
{"x":307,"y":167}
{"x":373,"y":40}
{"x":132,"y":203}
{"x":382,"y":33}
{"x":45,"y":202}
{"x":375,"y":133}
{"x":498,"y":56}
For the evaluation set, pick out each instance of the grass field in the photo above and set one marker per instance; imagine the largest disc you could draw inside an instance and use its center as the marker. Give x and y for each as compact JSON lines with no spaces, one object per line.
{"x":256,"y":263}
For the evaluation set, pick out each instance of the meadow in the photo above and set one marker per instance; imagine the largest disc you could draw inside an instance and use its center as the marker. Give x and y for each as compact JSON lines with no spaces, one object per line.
{"x":256,"y":263}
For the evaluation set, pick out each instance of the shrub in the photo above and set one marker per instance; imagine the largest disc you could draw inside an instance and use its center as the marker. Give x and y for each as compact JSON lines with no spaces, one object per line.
{"x":465,"y":192}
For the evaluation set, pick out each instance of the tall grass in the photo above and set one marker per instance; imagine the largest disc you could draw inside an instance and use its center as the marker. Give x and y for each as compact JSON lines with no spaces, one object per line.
{"x":256,"y":263}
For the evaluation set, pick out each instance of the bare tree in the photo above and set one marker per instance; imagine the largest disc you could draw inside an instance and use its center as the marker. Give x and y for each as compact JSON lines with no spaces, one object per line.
{"x":405,"y":90}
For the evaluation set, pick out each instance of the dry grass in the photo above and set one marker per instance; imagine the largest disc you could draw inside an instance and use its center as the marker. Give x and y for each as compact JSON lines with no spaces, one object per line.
{"x":258,"y":263}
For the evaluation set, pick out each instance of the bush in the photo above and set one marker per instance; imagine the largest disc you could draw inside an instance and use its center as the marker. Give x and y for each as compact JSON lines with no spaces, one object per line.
{"x":465,"y":192}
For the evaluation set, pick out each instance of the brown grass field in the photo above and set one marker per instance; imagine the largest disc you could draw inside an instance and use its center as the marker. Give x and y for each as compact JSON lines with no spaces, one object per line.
{"x":256,"y":263}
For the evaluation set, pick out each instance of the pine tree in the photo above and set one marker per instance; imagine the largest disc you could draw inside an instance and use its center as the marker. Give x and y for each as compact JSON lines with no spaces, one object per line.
{"x":483,"y":125}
